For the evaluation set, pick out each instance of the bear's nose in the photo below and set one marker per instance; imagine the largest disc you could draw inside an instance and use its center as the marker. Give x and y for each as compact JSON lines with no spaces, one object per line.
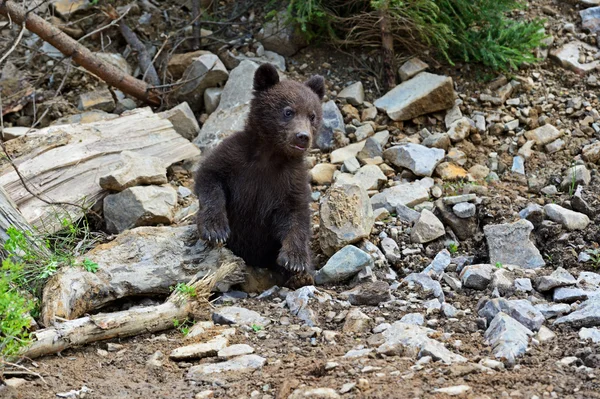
{"x":302,"y":137}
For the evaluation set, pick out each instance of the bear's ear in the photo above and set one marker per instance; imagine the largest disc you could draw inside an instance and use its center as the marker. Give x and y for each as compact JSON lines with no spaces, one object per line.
{"x":317,"y":84}
{"x":265,"y":77}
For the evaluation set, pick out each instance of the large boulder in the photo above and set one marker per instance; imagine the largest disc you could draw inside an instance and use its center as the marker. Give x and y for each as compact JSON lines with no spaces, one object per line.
{"x":509,"y":244}
{"x":205,"y":71}
{"x":281,"y":35}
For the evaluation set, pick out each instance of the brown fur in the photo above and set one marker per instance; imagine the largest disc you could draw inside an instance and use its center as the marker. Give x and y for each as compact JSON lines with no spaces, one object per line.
{"x":253,"y":187}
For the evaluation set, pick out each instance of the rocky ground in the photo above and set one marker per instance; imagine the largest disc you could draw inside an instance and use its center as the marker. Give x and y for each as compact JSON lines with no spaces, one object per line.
{"x":455,"y":232}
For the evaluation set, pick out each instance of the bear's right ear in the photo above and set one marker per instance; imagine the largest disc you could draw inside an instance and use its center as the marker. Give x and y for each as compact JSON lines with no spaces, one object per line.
{"x":265,"y":77}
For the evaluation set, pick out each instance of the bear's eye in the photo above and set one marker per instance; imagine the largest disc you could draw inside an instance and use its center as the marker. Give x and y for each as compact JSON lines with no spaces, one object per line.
{"x":288,"y":112}
{"x":313,"y":117}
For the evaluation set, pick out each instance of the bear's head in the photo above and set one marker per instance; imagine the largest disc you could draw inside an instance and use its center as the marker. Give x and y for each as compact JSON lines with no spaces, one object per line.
{"x":286,"y":115}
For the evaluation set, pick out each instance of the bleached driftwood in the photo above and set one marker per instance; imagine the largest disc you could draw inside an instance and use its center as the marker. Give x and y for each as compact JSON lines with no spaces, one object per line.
{"x":125,"y":323}
{"x":144,"y":261}
{"x":64,"y":163}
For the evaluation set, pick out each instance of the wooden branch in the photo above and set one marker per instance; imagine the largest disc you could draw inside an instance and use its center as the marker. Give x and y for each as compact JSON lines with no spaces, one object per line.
{"x":387,"y":48}
{"x":125,"y":323}
{"x":196,"y":25}
{"x":144,"y":59}
{"x":80,"y":54}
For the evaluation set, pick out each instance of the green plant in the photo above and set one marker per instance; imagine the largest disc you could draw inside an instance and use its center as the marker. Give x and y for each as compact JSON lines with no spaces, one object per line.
{"x":499,"y":265}
{"x":183,"y":326}
{"x":573,"y":185}
{"x":594,"y":256}
{"x":185,"y":289}
{"x":256,"y":327}
{"x":453,"y":248}
{"x":90,"y":266}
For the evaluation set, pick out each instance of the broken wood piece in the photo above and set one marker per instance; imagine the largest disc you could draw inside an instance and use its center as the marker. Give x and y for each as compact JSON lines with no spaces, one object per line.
{"x":144,"y":59}
{"x":142,"y":261}
{"x":126,"y":323}
{"x":64,"y":163}
{"x":80,"y":54}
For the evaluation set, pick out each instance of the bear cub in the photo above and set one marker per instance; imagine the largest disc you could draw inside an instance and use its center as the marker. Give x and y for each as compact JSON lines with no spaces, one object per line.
{"x":253,"y":188}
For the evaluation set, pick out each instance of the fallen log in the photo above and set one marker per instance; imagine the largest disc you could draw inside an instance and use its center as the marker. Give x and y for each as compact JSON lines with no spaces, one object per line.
{"x":63,"y":164}
{"x":144,"y":261}
{"x":80,"y":54}
{"x":125,"y":323}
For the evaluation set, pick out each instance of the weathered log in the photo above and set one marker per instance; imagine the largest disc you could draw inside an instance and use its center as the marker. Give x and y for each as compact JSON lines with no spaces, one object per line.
{"x":64,"y":163}
{"x":125,"y":323}
{"x":80,"y":54}
{"x":143,"y":261}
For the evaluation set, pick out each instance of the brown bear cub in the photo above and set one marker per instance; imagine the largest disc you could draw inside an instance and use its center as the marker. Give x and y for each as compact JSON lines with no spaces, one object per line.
{"x":253,"y":188}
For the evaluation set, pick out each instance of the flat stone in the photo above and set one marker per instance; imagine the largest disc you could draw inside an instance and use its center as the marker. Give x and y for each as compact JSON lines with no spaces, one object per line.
{"x":355,"y":353}
{"x":322,"y":173}
{"x":439,"y":264}
{"x":519,"y":309}
{"x":201,"y":350}
{"x":423,"y":94}
{"x":477,"y":277}
{"x":448,"y":171}
{"x":183,"y":119}
{"x":464,"y":210}
{"x":411,"y":68}
{"x":135,"y":170}
{"x":587,"y":315}
{"x":371,"y":294}
{"x":543,"y":135}
{"x":117,"y":60}
{"x":346,"y":217}
{"x":352,"y":150}
{"x":568,"y":56}
{"x":332,"y":121}
{"x":428,"y":285}
{"x":507,"y":337}
{"x":591,"y":152}
{"x":178,"y":63}
{"x":356,"y":322}
{"x":298,"y":302}
{"x":570,"y":294}
{"x":406,"y":214}
{"x":590,"y":333}
{"x":239,"y":316}
{"x":234,"y":351}
{"x":588,"y":280}
{"x":459,"y":130}
{"x":239,"y":364}
{"x":518,"y":165}
{"x":555,"y":146}
{"x":351,"y":165}
{"x":13,"y":132}
{"x":559,"y":278}
{"x":568,"y":218}
{"x":99,"y":100}
{"x":364,"y":131}
{"x":523,"y":284}
{"x":427,"y":228}
{"x":590,"y":19}
{"x":453,"y":391}
{"x":343,"y":264}
{"x":550,"y":310}
{"x":413,"y":340}
{"x":458,"y":199}
{"x":463,"y":228}
{"x":315,"y":393}
{"x":503,"y":282}
{"x":452,"y":115}
{"x":509,"y":244}
{"x":416,"y":319}
{"x":545,"y":334}
{"x":437,"y":140}
{"x":354,"y":93}
{"x":139,"y":206}
{"x":421,"y":160}
{"x":408,"y":194}
{"x":369,"y":177}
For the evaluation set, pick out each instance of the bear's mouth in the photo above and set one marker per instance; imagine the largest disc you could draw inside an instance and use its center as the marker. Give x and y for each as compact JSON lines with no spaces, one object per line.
{"x":298,"y":147}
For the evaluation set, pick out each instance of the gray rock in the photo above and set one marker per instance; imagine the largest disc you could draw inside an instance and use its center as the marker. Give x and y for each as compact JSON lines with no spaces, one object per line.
{"x":590,"y":19}
{"x":580,"y":205}
{"x":239,"y":316}
{"x":239,"y":364}
{"x":458,"y":199}
{"x":550,"y":310}
{"x":432,"y":304}
{"x":449,"y":311}
{"x":199,"y":350}
{"x":518,"y":165}
{"x":270,"y":57}
{"x":183,"y":119}
{"x":452,"y":281}
{"x":459,"y":130}
{"x":230,"y":115}
{"x":281,"y":36}
{"x":356,"y":322}
{"x":369,"y":294}
{"x":410,"y":339}
{"x":507,"y":337}
{"x":464,"y":210}
{"x":428,"y":285}
{"x":355,"y":353}
{"x":559,"y":278}
{"x":139,"y":206}
{"x":332,"y":121}
{"x":523,"y":285}
{"x":390,"y":250}
{"x":587,"y":315}
{"x":591,"y":152}
{"x":452,"y":115}
{"x":570,"y":295}
{"x":205,"y":71}
{"x":569,"y":55}
{"x":555,"y":146}
{"x":317,"y":393}
{"x":363,"y":132}
{"x":354,"y":94}
{"x":570,"y":219}
{"x":590,"y":333}
{"x":408,"y":194}
{"x":135,"y":170}
{"x":343,"y":264}
{"x":549,"y":190}
{"x":534,"y":213}
{"x":437,"y":140}
{"x":519,"y":309}
{"x":477,"y":277}
{"x":411,"y":68}
{"x":406,"y":214}
{"x":588,"y":280}
{"x":351,"y":165}
{"x":96,"y":100}
{"x":141,"y":262}
{"x":543,"y":135}
{"x":416,"y":319}
{"x":298,"y":301}
{"x":427,"y":228}
{"x":503,"y":282}
{"x":421,"y":160}
{"x":371,"y":149}
{"x":369,"y":177}
{"x":439,"y":264}
{"x":212,"y":98}
{"x":10,"y":133}
{"x":352,"y":150}
{"x":463,"y":228}
{"x":423,"y":94}
{"x":509,"y":244}
{"x":346,"y":217}
{"x":235,"y":351}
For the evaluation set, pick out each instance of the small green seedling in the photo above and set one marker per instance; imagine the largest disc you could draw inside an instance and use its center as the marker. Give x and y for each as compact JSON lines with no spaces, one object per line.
{"x":185,"y":289}
{"x":90,"y":266}
{"x":499,"y":265}
{"x":453,"y":248}
{"x":256,"y":327}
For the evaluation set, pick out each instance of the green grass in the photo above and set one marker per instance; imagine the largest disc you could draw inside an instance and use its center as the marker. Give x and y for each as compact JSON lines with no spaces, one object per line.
{"x":453,"y":248}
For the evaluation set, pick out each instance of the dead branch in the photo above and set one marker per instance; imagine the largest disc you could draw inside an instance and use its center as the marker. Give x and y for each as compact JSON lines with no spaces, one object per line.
{"x":125,"y":323}
{"x":196,"y":25}
{"x":80,"y":54}
{"x":142,"y":54}
{"x":387,"y":48}
{"x":15,"y":44}
{"x":102,"y":28}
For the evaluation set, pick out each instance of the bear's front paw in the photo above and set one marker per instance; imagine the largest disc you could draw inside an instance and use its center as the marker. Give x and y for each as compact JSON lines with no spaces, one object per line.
{"x":296,"y":261}
{"x":214,"y":230}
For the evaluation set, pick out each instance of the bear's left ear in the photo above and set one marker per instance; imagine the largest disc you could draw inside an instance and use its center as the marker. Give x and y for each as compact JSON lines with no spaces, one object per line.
{"x":265,"y":77}
{"x":317,"y":84}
